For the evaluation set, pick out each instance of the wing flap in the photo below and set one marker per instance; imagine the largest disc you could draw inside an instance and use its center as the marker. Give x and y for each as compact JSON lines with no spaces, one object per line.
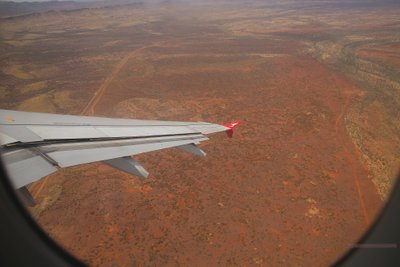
{"x":66,"y":158}
{"x":26,"y":166}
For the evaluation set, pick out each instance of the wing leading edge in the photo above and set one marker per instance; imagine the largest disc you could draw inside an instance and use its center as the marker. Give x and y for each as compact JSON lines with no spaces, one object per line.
{"x":35,"y":145}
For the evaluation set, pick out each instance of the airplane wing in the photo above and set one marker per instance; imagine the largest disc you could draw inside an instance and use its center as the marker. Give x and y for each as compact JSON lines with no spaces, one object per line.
{"x":34,"y":145}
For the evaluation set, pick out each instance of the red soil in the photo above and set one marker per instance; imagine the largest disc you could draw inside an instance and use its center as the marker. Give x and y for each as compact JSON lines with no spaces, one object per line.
{"x":387,"y":54}
{"x":289,"y":189}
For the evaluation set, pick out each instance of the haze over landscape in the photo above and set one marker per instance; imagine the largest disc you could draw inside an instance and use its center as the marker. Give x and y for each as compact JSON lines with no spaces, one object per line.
{"x":316,"y":85}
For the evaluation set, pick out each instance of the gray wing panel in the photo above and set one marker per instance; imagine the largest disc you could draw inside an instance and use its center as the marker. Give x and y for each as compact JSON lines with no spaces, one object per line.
{"x":208,"y":128}
{"x":20,"y":133}
{"x":36,"y":118}
{"x":51,"y":132}
{"x":66,"y":158}
{"x":5,"y":139}
{"x":26,"y":166}
{"x":33,"y":127}
{"x":11,"y":117}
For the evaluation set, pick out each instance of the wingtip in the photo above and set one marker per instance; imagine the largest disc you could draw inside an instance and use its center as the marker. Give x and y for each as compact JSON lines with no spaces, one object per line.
{"x":231,"y":127}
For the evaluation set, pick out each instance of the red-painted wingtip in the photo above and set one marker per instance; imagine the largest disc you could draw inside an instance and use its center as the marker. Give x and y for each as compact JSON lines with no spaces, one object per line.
{"x":231,"y":127}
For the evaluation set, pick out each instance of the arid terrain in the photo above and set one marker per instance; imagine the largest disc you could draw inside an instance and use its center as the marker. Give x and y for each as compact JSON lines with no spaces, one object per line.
{"x":316,"y":86}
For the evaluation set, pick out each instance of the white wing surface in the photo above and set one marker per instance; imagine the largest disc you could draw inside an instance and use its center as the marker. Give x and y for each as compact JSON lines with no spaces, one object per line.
{"x":37,"y":144}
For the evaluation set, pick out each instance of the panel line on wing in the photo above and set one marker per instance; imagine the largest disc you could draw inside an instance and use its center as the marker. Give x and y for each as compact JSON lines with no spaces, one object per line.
{"x":45,"y":156}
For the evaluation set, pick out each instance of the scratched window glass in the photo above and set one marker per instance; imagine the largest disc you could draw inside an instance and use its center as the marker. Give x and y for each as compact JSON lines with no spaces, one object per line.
{"x":201,"y":132}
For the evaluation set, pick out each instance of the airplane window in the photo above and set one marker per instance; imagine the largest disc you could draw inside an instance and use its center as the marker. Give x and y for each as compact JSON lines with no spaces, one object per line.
{"x":313,"y":85}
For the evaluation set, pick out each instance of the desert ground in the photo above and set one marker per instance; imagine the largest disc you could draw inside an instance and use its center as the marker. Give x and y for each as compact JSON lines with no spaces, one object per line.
{"x":316,"y":86}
